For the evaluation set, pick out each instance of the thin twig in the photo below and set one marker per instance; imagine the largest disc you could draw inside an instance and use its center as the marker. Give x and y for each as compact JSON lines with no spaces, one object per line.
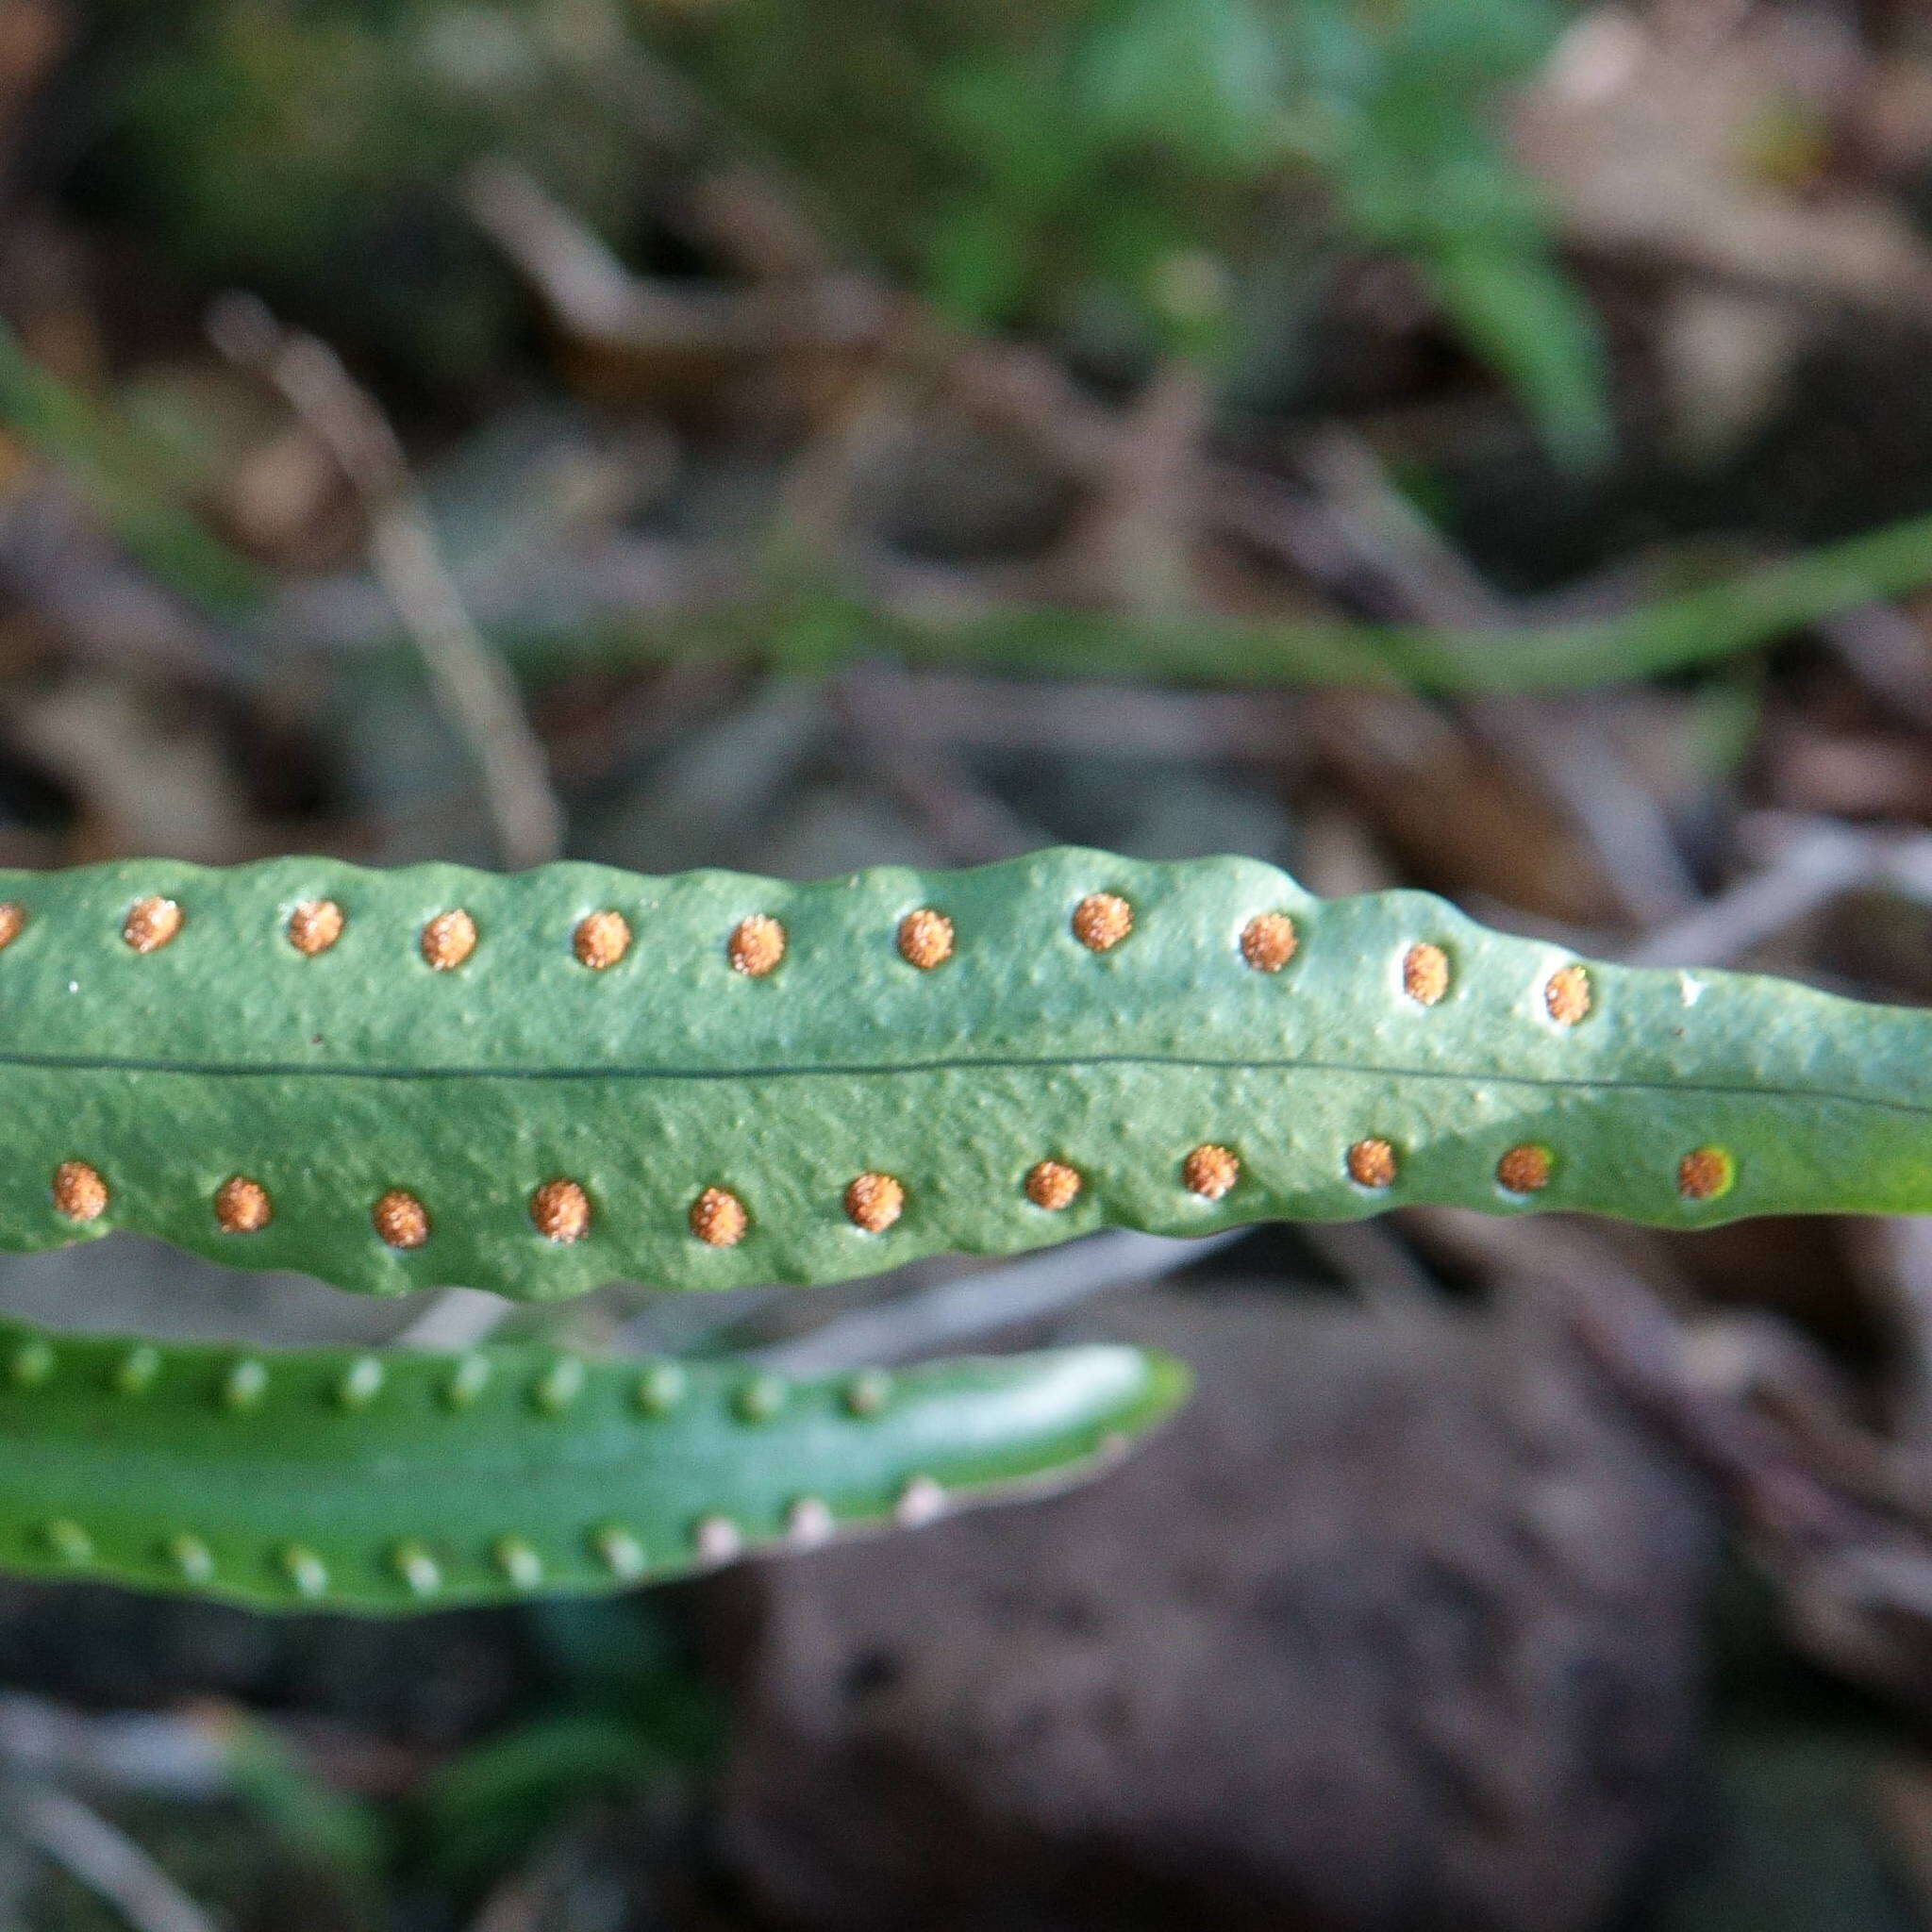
{"x":1424,"y":578}
{"x":183,"y":1756}
{"x":1131,"y":546}
{"x":1884,"y":647}
{"x":996,"y":1298}
{"x":1820,"y":862}
{"x":879,"y":705}
{"x":457,"y":1318}
{"x":110,"y":1864}
{"x":471,"y":683}
{"x":596,"y":298}
{"x":1024,"y":392}
{"x":638,"y":601}
{"x":1850,"y":1556}
{"x":1008,"y":715}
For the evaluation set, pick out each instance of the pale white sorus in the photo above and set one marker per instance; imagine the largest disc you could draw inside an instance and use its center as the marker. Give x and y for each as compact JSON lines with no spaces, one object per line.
{"x":920,"y":1502}
{"x":809,"y":1520}
{"x":719,"y":1539}
{"x":1691,"y":990}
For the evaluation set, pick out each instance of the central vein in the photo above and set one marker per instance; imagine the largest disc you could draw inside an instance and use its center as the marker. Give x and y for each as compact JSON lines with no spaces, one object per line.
{"x":285,"y":1070}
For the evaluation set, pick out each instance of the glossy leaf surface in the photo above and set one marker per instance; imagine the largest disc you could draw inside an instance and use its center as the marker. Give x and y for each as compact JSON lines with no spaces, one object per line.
{"x":759,"y":1081}
{"x":324,"y":1478}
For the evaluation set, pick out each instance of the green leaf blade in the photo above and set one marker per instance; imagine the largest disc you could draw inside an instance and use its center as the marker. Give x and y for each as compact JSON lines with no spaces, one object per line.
{"x":331,"y":1080}
{"x":319,"y":1478}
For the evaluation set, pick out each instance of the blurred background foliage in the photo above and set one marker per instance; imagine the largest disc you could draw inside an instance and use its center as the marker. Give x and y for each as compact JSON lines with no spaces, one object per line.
{"x":1139,"y":178}
{"x":1480,"y":445}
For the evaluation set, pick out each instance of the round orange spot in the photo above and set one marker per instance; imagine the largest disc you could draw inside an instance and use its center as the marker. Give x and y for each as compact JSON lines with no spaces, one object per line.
{"x":757,"y":945}
{"x":873,"y":1202}
{"x":243,"y":1205}
{"x":315,"y":926}
{"x":401,"y":1219}
{"x":151,"y":923}
{"x":1566,"y":993}
{"x":925,"y":939}
{"x":1267,"y":942}
{"x":80,"y":1191}
{"x":718,"y":1217}
{"x":562,"y":1210}
{"x":448,"y":940}
{"x":1102,"y":920}
{"x":601,"y":940}
{"x":1525,"y":1170}
{"x":1706,"y":1172}
{"x":1211,"y":1171}
{"x":1372,"y":1164}
{"x":1425,"y":974}
{"x":1054,"y":1185}
{"x":12,"y":917}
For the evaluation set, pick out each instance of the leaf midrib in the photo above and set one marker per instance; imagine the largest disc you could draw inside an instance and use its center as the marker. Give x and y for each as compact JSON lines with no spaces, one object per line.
{"x":1607,"y":1083}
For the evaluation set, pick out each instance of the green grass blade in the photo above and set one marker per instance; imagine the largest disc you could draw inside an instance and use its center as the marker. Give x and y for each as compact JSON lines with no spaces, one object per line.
{"x":125,"y":479}
{"x":323,"y":1478}
{"x":1529,"y":320}
{"x":1685,"y":631}
{"x":525,"y":1122}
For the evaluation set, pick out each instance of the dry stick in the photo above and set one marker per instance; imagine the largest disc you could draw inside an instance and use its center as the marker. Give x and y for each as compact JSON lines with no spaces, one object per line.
{"x":1815,"y":860}
{"x":148,"y":1753}
{"x":1803,"y":1524}
{"x":1130,"y":547}
{"x":1432,"y":581}
{"x":819,"y":491}
{"x":878,"y":703}
{"x":974,"y":713}
{"x":654,"y":602}
{"x":1853,"y":1560}
{"x":459,"y":1318}
{"x":1028,"y":393}
{"x":597,"y":299}
{"x":993,"y":1298}
{"x":471,"y":683}
{"x":1886,"y":649}
{"x":586,"y":284}
{"x":109,"y":1864}
{"x":1856,"y":1577}
{"x":818,"y":503}
{"x":1819,"y":863}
